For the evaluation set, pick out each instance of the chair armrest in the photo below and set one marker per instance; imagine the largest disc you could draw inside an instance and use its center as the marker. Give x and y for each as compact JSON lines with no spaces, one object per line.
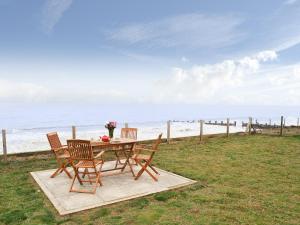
{"x":148,"y":150}
{"x":100,"y":154}
{"x":143,"y":146}
{"x":140,"y":150}
{"x":60,"y":149}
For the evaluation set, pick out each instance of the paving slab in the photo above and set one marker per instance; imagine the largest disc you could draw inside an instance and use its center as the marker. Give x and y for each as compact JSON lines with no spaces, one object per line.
{"x":116,"y":187}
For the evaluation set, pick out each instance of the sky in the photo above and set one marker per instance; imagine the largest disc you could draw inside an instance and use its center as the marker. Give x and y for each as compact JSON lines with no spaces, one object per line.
{"x":136,"y":52}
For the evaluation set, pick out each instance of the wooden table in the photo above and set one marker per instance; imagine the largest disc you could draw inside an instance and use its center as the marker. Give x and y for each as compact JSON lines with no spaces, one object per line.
{"x":125,"y":146}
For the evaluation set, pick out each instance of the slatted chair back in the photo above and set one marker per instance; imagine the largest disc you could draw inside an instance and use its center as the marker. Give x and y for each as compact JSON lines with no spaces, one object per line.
{"x":129,"y":133}
{"x":54,"y":140}
{"x":80,"y":150}
{"x":157,"y":142}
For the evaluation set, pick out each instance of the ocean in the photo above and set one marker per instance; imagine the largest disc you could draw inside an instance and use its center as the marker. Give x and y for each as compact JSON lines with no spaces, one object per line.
{"x":34,"y":139}
{"x":27,"y":125}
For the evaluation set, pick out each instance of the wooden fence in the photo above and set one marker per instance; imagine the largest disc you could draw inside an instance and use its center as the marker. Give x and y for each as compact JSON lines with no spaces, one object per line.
{"x":250,"y":128}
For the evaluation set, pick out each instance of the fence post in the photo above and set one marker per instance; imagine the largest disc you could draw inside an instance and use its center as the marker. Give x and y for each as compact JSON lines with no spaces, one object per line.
{"x":270,"y":122}
{"x":4,"y":145}
{"x":126,"y":125}
{"x":227,"y":127}
{"x":298,"y":122}
{"x":281,"y":126}
{"x":73,"y":132}
{"x":168,"y":131}
{"x":250,"y":125}
{"x":201,"y":129}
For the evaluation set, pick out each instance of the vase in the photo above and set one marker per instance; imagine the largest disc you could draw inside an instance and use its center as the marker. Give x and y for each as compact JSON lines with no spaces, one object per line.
{"x":111,"y":133}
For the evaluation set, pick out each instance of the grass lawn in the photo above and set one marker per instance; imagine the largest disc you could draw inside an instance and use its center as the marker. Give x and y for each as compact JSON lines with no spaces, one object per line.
{"x":241,"y":180}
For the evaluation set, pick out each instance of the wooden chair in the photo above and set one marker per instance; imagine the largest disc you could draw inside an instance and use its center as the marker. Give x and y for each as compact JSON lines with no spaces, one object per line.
{"x":82,"y":157}
{"x":61,"y":154}
{"x":145,"y":160}
{"x":130,"y":133}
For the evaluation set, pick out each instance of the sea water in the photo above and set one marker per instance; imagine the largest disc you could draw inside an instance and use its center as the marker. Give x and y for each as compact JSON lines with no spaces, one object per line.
{"x":27,"y":125}
{"x":34,"y":139}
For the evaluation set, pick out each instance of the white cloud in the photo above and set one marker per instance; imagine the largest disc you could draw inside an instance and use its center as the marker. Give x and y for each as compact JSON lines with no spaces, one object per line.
{"x":24,"y":91}
{"x":63,"y":81}
{"x":247,"y":81}
{"x":288,"y":42}
{"x":189,"y":30}
{"x":266,"y":56}
{"x":52,"y":12}
{"x":15,"y":91}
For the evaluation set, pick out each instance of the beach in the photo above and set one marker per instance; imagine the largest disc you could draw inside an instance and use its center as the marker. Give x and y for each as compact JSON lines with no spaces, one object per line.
{"x":34,"y":139}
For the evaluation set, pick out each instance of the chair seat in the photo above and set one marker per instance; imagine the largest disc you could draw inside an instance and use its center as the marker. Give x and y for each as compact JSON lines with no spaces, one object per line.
{"x":88,"y":164}
{"x":141,"y":156}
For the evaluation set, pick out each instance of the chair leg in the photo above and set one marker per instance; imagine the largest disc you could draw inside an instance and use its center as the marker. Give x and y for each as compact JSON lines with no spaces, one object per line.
{"x":144,"y":168}
{"x":67,"y":172}
{"x":62,"y":168}
{"x":116,"y":165}
{"x":141,"y":170}
{"x":100,"y":182}
{"x":89,"y":176}
{"x":91,"y":180}
{"x":154,"y":170}
{"x":56,"y":172}
{"x":85,"y":171}
{"x":96,"y":183}
{"x":76,"y":176}
{"x":151,"y":175}
{"x":98,"y":178}
{"x":134,"y":161}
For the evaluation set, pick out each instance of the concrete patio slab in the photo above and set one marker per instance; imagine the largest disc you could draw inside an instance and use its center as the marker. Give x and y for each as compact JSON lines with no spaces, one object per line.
{"x":116,"y":187}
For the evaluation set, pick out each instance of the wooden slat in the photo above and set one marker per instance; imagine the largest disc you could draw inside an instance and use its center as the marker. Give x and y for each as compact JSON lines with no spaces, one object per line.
{"x":73,"y":132}
{"x":4,"y":145}
{"x":201,"y":129}
{"x":168,"y":131}
{"x":250,"y":125}
{"x":281,"y":126}
{"x":227,"y":127}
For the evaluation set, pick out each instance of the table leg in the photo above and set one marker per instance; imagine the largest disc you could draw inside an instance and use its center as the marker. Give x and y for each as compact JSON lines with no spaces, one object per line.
{"x":128,"y":160}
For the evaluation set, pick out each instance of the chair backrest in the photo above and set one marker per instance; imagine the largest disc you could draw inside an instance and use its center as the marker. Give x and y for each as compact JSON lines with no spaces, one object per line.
{"x":80,"y":149}
{"x":54,"y":140}
{"x":129,"y":133}
{"x":157,"y":142}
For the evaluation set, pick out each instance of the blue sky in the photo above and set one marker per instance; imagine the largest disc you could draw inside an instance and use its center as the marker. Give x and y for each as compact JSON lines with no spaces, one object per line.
{"x":210,"y":52}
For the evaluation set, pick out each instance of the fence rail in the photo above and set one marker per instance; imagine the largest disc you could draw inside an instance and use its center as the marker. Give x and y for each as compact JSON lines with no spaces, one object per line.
{"x":221,"y":123}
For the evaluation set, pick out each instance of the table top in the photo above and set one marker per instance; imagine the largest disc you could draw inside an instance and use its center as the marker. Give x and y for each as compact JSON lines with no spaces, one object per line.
{"x":119,"y":141}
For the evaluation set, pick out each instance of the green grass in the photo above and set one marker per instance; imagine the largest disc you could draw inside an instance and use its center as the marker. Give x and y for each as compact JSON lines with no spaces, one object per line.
{"x":241,"y":180}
